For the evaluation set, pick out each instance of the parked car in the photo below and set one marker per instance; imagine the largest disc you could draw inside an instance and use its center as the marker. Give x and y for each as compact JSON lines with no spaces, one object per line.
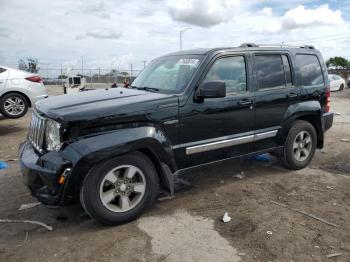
{"x":19,"y":90}
{"x":348,"y":82}
{"x":336,"y":82}
{"x":117,"y":149}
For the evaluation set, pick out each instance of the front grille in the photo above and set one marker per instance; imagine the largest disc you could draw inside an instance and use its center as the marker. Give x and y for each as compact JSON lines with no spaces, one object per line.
{"x":36,"y":133}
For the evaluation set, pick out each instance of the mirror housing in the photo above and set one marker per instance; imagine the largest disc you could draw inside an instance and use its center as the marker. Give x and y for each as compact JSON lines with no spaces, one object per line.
{"x":211,"y":89}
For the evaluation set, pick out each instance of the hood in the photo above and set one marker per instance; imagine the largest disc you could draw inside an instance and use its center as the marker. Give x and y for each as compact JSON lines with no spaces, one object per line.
{"x":106,"y":103}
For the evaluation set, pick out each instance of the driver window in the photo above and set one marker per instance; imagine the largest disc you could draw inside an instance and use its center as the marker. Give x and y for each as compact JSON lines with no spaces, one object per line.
{"x":232,"y":71}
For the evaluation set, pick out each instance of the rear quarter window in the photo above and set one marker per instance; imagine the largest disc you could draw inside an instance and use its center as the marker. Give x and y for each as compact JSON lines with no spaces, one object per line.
{"x":2,"y":70}
{"x":310,"y":68}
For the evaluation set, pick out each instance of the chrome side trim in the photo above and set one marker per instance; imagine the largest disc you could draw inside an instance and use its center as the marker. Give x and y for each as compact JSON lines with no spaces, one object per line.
{"x":226,"y":142}
{"x":219,"y":144}
{"x":264,"y":135}
{"x":171,"y":122}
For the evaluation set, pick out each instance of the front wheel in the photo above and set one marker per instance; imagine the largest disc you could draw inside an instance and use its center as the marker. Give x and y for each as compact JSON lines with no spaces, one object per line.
{"x":119,"y":190}
{"x":341,"y":87}
{"x":300,"y":145}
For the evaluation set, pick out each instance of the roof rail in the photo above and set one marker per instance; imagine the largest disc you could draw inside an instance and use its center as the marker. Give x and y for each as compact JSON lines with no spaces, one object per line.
{"x":308,"y":47}
{"x":276,"y":45}
{"x":248,"y":45}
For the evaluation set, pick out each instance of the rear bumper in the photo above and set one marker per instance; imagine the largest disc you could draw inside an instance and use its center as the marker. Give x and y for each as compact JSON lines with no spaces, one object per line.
{"x":327,"y":121}
{"x":41,"y":175}
{"x":35,"y":99}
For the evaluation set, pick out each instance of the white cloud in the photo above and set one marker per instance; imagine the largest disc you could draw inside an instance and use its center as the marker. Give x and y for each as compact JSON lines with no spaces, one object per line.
{"x":204,"y":13}
{"x":302,"y":17}
{"x":100,"y":34}
{"x":266,"y":11}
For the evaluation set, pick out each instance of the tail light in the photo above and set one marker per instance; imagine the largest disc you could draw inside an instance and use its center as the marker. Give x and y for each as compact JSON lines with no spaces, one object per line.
{"x":328,"y":99}
{"x":36,"y":79}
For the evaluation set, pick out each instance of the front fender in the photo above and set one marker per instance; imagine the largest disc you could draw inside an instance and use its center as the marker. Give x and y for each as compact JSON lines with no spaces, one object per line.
{"x":86,"y":152}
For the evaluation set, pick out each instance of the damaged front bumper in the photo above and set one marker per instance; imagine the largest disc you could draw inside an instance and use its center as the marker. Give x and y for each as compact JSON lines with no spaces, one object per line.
{"x":47,"y":176}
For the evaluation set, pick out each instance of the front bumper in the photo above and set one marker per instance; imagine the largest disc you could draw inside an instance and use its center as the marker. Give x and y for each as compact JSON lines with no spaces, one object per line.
{"x":41,"y":175}
{"x":327,"y":121}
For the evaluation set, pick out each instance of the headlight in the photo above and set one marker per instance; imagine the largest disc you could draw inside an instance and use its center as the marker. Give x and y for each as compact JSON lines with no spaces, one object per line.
{"x":53,"y":137}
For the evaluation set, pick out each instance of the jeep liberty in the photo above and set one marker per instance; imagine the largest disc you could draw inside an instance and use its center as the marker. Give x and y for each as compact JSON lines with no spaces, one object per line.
{"x":116,"y":150}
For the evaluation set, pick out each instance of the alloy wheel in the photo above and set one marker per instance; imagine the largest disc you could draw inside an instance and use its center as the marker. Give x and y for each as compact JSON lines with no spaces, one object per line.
{"x":302,"y":146}
{"x":14,"y":105}
{"x":122,"y":188}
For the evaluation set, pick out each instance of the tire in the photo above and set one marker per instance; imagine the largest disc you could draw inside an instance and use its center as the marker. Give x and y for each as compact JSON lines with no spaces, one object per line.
{"x":290,"y":155}
{"x":19,"y":108}
{"x":106,"y":202}
{"x":341,"y":88}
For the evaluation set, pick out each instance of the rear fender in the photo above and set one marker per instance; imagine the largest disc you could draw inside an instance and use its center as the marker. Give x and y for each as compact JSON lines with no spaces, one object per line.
{"x":309,"y":111}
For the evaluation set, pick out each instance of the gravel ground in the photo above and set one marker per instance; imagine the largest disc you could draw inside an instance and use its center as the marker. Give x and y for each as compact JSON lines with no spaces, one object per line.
{"x":188,"y":228}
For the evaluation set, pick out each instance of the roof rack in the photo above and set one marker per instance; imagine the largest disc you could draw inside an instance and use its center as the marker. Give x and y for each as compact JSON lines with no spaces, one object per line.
{"x":276,"y":45}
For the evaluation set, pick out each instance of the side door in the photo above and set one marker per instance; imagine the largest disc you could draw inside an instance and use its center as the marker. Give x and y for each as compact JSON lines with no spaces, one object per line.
{"x":3,"y":78}
{"x":275,"y":92}
{"x":218,"y":128}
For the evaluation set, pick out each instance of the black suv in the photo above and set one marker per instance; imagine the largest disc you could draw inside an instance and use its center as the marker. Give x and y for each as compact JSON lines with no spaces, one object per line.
{"x":117,"y":149}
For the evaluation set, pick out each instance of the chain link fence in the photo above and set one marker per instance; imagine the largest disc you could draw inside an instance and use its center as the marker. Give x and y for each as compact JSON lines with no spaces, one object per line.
{"x":57,"y":76}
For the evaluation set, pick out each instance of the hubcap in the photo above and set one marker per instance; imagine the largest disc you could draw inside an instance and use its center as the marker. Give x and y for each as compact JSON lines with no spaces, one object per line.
{"x":14,"y":105}
{"x":122,"y":188}
{"x":302,"y":146}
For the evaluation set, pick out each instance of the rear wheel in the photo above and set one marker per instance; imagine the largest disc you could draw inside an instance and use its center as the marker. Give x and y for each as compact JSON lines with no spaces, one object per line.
{"x":341,"y":88}
{"x":300,"y":145}
{"x":13,"y":105}
{"x":119,"y":190}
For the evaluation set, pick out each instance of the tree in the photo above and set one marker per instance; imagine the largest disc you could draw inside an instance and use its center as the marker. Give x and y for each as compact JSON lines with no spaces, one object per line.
{"x":338,"y":62}
{"x":31,"y":65}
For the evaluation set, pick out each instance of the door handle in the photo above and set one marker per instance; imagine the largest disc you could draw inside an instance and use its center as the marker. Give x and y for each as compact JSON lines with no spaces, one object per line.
{"x":245,"y":102}
{"x":292,"y":95}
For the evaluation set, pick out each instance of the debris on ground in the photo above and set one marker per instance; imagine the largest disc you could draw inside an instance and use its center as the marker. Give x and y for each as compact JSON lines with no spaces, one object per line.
{"x":29,"y":205}
{"x":304,"y":213}
{"x":269,"y":232}
{"x":12,"y":159}
{"x":50,"y":228}
{"x":239,"y":176}
{"x":166,"y":198}
{"x":222,"y":182}
{"x":334,"y":255}
{"x":337,"y":113}
{"x":330,"y":187}
{"x":344,"y":140}
{"x":264,"y":158}
{"x":3,"y":165}
{"x":226,"y":218}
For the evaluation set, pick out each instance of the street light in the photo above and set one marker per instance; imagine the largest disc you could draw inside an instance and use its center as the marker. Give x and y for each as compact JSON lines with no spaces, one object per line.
{"x":181,"y":32}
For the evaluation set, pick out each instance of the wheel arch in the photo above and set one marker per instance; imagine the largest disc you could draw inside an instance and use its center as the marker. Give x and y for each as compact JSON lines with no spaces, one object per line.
{"x":309,"y":111}
{"x":86,"y":153}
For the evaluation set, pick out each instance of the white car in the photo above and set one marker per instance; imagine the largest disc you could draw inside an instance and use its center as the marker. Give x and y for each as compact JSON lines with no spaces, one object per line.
{"x":336,"y":82}
{"x":19,"y":90}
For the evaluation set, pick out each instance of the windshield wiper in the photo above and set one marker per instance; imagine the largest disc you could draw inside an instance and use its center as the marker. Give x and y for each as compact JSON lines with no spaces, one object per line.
{"x":146,"y":88}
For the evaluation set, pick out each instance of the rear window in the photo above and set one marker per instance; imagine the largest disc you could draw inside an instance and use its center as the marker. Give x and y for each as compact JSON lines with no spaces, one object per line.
{"x":310,"y":68}
{"x":2,"y":70}
{"x":273,"y":71}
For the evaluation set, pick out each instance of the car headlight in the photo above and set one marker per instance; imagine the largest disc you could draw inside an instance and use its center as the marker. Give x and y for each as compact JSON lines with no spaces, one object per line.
{"x":53,"y":136}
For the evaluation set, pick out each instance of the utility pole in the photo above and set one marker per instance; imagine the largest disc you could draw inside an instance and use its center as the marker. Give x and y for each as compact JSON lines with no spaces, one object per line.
{"x":181,"y":32}
{"x":82,"y":65}
{"x":144,"y":63}
{"x":130,"y":71}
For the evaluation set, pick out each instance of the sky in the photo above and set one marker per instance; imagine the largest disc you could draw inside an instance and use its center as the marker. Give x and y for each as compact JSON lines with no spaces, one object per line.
{"x":116,"y":33}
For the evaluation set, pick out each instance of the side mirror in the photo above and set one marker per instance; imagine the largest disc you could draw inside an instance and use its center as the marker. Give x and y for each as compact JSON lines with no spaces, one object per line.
{"x":211,"y":89}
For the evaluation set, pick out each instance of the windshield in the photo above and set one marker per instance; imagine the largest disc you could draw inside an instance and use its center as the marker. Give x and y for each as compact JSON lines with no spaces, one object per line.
{"x":169,"y":74}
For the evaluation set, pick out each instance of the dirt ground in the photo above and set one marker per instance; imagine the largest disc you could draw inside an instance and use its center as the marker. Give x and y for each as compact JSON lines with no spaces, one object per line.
{"x":188,"y":228}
